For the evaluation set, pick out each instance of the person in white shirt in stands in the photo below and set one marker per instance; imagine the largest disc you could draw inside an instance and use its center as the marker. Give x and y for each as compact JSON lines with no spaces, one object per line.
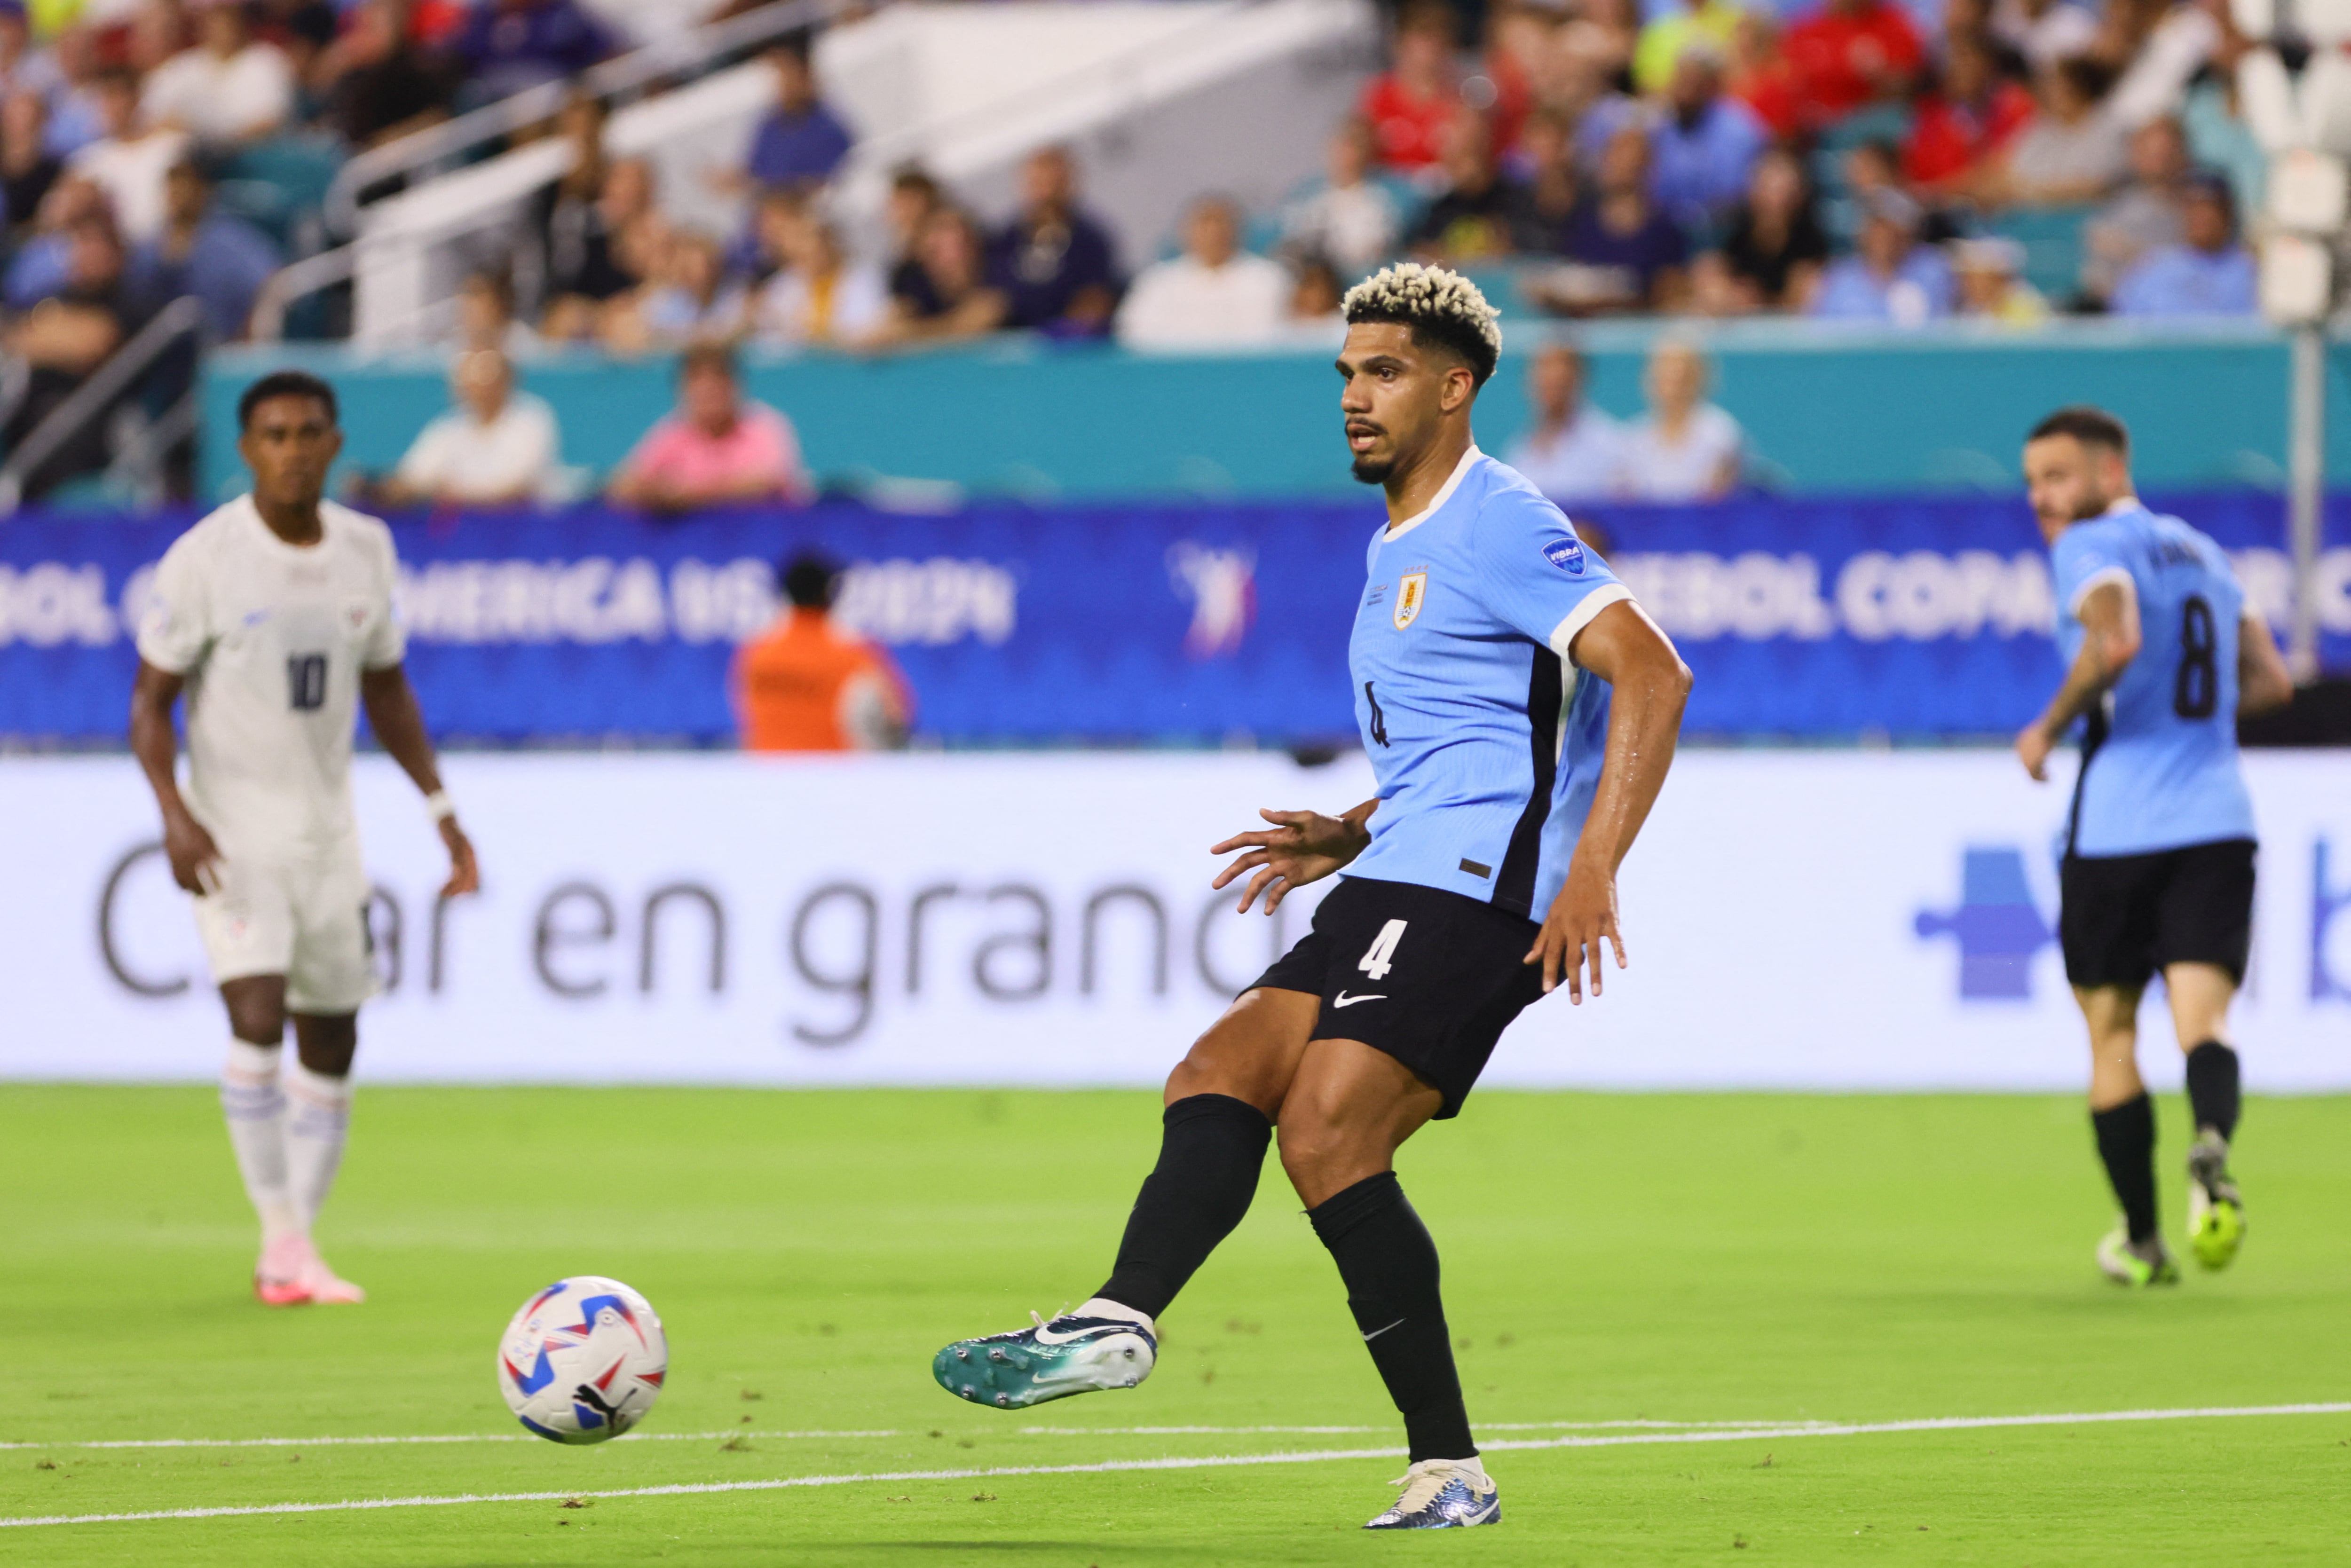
{"x":129,"y":164}
{"x":1350,"y":217}
{"x":1574,"y":452}
{"x":497,"y":448}
{"x":818,"y":297}
{"x":230,"y":89}
{"x":1686,"y":449}
{"x":1215,"y":296}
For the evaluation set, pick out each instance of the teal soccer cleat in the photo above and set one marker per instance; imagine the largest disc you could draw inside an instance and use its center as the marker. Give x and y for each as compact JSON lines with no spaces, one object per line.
{"x":1047,"y":1361}
{"x":1443,"y":1494}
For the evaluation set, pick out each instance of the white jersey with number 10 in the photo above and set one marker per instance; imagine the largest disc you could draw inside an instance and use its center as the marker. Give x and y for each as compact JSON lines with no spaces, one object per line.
{"x":272,"y":638}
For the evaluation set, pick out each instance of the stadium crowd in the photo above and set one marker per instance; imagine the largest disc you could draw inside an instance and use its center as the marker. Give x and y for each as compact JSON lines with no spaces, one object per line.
{"x":1848,"y":159}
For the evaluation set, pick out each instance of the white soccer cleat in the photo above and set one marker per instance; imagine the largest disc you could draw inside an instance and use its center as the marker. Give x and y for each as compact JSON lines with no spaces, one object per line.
{"x":1443,"y":1494}
{"x":2136,"y":1264}
{"x":329,"y":1289}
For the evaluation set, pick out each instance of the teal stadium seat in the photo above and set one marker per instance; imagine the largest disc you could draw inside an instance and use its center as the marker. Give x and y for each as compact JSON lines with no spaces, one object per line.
{"x":1878,"y":122}
{"x":2052,"y":238}
{"x":277,"y":186}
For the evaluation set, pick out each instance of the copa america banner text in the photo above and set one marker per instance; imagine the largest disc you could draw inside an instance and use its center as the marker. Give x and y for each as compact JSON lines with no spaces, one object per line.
{"x":1796,"y":920}
{"x":1197,"y":621}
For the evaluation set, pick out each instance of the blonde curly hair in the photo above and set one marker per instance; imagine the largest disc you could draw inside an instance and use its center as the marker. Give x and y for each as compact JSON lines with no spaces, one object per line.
{"x":1438,"y":304}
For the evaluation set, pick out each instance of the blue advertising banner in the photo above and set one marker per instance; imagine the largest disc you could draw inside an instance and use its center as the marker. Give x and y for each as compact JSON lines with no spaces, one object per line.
{"x":1193,"y":623}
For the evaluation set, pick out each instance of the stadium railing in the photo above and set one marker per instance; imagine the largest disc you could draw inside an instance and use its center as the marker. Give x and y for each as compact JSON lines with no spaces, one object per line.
{"x":687,"y":53}
{"x":102,"y":392}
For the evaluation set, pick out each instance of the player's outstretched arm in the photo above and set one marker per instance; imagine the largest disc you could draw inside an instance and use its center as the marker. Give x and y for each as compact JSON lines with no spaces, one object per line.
{"x":2110,"y":641}
{"x":1301,"y":847}
{"x":195,"y":859}
{"x":1648,"y":686}
{"x":2263,"y":681}
{"x":399,"y":725}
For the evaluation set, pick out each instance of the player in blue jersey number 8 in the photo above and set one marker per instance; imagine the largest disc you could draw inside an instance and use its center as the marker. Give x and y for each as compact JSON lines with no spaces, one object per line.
{"x":2164,"y":651}
{"x":1519,"y":711}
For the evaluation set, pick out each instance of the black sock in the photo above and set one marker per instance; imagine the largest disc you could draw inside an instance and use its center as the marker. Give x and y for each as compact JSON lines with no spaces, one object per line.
{"x":1389,"y":1263}
{"x":2127,"y":1143}
{"x":1210,"y":1156}
{"x":2213,"y":1088}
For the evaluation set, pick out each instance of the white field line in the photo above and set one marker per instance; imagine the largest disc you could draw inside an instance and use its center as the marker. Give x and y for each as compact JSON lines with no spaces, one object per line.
{"x":369,"y":1442}
{"x":1714,"y":1435}
{"x":434,"y":1437}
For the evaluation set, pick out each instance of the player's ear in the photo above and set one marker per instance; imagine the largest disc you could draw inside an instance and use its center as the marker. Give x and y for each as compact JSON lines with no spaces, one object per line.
{"x":1460,"y":386}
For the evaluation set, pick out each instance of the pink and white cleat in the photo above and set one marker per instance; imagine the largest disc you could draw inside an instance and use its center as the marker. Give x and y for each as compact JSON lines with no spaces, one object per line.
{"x":282,"y":1277}
{"x":329,"y":1289}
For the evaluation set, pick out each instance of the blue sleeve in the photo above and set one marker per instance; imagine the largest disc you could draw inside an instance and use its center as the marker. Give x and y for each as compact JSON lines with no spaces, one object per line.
{"x":2083,"y":555}
{"x":765,"y":163}
{"x":2143,"y":290}
{"x":1535,"y":576}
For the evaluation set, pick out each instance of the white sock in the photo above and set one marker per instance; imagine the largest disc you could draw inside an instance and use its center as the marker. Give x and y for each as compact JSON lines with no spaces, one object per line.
{"x":256,"y":1110}
{"x":1103,"y":1307}
{"x":318,"y":1117}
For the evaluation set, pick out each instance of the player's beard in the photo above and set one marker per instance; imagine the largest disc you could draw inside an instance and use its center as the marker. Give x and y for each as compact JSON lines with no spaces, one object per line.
{"x":1371,"y":470}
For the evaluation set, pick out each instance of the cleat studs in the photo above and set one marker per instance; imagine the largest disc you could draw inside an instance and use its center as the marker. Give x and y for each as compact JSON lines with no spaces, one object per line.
{"x":961,"y":1354}
{"x":1004,"y":1401}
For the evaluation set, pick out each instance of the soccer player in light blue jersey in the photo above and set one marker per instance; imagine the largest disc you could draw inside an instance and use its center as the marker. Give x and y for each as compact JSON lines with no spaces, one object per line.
{"x":2163,"y":653}
{"x":1520,"y":712}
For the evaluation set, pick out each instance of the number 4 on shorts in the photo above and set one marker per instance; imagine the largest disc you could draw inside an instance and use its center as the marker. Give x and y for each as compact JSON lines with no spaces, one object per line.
{"x":1381,"y":956}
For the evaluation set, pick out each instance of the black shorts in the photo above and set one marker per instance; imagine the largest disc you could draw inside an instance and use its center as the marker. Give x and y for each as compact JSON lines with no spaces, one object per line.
{"x":2122,"y":917}
{"x":1431,"y":977}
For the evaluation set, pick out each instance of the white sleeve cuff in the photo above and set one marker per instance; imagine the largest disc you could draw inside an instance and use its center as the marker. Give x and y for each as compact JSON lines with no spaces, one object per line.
{"x":1564,"y":635}
{"x":2096,"y":581}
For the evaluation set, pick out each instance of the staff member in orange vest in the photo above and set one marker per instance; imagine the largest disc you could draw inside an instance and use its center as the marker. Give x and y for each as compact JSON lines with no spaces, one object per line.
{"x":805,"y":684}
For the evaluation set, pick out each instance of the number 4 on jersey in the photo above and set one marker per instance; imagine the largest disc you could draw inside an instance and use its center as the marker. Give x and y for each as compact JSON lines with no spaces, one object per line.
{"x":1379,"y":957}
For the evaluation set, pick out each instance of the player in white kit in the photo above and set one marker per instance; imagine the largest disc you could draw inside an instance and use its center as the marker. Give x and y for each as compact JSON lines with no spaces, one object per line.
{"x":274,"y":616}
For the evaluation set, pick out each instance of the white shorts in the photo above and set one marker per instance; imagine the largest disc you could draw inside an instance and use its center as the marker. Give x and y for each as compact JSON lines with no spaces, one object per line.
{"x":304,"y":918}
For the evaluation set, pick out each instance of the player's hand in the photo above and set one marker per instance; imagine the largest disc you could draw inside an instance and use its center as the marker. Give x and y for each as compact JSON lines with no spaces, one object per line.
{"x":2032,"y":748}
{"x":465,"y":874}
{"x":195,"y":859}
{"x":1583,"y":913}
{"x":1301,"y":847}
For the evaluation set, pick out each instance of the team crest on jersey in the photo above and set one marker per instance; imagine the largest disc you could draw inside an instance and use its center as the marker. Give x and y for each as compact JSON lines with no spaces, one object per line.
{"x":1412,"y":589}
{"x":355,"y":615}
{"x":1566,"y":554}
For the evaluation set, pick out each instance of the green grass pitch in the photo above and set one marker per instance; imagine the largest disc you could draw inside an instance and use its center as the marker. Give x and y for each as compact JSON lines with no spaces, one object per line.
{"x":1685,"y":1259}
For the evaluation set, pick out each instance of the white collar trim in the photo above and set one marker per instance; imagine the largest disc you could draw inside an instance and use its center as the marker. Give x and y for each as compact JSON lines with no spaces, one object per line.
{"x":1453,"y":483}
{"x":2123,"y":504}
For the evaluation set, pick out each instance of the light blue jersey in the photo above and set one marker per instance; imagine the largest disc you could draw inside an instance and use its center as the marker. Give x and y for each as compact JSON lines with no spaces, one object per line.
{"x":1485,"y":742}
{"x":2159,"y":756}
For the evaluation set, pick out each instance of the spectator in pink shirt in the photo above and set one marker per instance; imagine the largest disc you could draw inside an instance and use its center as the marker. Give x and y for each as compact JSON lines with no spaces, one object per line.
{"x":716,"y":450}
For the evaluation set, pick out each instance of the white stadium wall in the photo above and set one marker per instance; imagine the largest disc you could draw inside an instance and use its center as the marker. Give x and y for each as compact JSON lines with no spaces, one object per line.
{"x":1796,"y":920}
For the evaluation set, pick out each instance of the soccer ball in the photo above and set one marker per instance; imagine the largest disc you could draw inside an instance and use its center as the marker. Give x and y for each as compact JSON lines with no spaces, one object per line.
{"x":583,"y":1360}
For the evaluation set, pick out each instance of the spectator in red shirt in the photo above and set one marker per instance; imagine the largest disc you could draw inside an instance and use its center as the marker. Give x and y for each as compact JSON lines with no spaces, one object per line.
{"x":1848,"y":54}
{"x":1410,"y":104}
{"x":1968,"y":115}
{"x":1760,"y":77}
